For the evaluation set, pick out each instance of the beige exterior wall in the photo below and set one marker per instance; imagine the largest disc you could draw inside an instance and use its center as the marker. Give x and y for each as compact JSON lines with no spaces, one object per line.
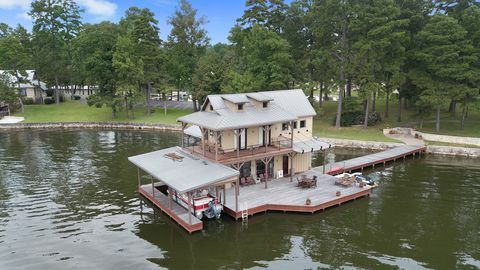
{"x":300,"y":134}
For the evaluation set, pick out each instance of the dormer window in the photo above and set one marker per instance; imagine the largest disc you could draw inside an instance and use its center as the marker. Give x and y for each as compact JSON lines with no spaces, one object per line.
{"x":265,"y":104}
{"x":240,"y":107}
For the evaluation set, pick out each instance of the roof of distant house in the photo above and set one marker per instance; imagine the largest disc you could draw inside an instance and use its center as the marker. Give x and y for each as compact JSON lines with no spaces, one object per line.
{"x":27,"y":81}
{"x":283,"y":106}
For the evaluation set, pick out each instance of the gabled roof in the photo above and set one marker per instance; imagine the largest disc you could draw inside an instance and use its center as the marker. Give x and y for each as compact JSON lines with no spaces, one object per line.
{"x":28,"y":81}
{"x":184,"y":174}
{"x":284,"y":106}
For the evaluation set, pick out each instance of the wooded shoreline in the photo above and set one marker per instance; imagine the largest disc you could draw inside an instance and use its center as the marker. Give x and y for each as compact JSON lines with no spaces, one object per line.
{"x":342,"y":143}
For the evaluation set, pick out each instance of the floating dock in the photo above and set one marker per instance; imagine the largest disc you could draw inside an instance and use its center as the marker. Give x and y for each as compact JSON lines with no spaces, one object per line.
{"x":282,"y":194}
{"x":372,"y":160}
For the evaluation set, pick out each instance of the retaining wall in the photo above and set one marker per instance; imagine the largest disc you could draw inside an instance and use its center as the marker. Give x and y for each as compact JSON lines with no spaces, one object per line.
{"x":99,"y":125}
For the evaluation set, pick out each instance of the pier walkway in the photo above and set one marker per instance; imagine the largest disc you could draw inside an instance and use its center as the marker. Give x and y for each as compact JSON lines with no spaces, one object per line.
{"x":371,"y":160}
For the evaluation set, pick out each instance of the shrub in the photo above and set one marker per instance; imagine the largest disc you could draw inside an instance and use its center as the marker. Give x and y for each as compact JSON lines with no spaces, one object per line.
{"x":77,"y":97}
{"x":28,"y":101}
{"x":49,"y":101}
{"x":351,"y":118}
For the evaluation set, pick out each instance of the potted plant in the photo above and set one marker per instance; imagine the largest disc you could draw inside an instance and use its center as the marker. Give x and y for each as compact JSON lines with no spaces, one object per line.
{"x":308,"y":201}
{"x":338,"y":193}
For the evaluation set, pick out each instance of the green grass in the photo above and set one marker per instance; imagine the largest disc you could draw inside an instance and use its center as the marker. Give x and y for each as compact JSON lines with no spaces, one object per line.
{"x":74,"y":111}
{"x":451,"y":144}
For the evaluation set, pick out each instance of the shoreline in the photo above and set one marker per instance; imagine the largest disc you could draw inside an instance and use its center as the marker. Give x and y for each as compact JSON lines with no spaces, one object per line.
{"x":341,"y":143}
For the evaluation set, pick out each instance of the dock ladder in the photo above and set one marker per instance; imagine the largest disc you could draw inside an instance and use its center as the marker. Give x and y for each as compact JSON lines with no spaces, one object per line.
{"x":245,"y":212}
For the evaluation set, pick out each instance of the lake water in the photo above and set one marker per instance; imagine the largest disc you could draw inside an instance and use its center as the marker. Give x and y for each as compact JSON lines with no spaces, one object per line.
{"x":68,"y":200}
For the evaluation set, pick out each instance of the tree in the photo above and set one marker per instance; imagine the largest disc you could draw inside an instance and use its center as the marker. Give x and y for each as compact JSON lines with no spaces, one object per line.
{"x":93,"y":50}
{"x":267,"y":13}
{"x":8,"y":95}
{"x":209,"y":75}
{"x":264,"y":56}
{"x":444,"y":61}
{"x":129,"y":70}
{"x":142,"y":28}
{"x":186,"y":42}
{"x":56,"y":23}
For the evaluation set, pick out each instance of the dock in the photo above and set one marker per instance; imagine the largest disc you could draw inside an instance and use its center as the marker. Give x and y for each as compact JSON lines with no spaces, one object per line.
{"x":380,"y":158}
{"x":284,"y":195}
{"x":172,"y":209}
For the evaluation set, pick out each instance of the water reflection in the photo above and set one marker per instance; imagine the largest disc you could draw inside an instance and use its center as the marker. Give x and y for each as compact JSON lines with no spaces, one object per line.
{"x":68,"y":200}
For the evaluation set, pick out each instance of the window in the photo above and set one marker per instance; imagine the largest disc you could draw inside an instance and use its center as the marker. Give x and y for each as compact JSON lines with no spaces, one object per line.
{"x":284,"y":126}
{"x":302,"y":124}
{"x":265,"y":104}
{"x":295,"y":125}
{"x":240,"y":107}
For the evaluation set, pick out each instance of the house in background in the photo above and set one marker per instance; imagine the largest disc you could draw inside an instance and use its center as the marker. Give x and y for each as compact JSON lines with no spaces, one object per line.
{"x":29,"y":88}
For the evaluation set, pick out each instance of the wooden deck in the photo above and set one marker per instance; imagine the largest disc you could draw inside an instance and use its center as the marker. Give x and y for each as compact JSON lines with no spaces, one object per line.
{"x":177,"y":212}
{"x":371,"y":160}
{"x":283,"y":195}
{"x":243,"y":155}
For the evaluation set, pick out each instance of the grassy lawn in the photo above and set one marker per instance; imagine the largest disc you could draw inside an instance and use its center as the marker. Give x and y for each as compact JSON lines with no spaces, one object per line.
{"x":451,"y":144}
{"x":74,"y":111}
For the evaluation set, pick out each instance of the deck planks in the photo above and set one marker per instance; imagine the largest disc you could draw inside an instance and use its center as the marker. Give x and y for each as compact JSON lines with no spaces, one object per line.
{"x":372,"y":159}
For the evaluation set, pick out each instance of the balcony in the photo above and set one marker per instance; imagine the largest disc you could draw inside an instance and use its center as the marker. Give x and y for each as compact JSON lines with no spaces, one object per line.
{"x":251,"y":152}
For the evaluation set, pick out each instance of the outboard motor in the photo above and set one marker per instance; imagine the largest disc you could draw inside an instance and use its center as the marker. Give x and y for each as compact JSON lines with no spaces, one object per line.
{"x":214,"y":209}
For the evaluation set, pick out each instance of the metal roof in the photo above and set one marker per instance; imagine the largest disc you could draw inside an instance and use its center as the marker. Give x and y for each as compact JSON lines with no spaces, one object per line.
{"x":193,"y":131}
{"x":236,"y":98}
{"x":259,"y":97}
{"x":285,"y":105}
{"x":190,"y":173}
{"x":250,"y":116}
{"x":311,"y":145}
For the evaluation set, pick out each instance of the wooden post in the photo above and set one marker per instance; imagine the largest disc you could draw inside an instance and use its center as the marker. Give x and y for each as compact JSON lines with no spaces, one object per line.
{"x":170,"y":198}
{"x":236,"y":134}
{"x":291,"y":135}
{"x":225,"y":194}
{"x":216,"y":144}
{"x":324,"y":159}
{"x":189,"y":208}
{"x":153,"y":187}
{"x":138,"y":177}
{"x":184,"y":125}
{"x":204,"y":131}
{"x":237,"y":191}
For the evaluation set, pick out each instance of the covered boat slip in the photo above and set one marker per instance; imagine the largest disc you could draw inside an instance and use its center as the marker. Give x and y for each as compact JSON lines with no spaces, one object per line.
{"x":183,"y":173}
{"x":285,"y":195}
{"x":383,"y":157}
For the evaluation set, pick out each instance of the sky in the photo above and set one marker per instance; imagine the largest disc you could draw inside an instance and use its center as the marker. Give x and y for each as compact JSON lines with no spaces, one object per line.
{"x":220,"y":14}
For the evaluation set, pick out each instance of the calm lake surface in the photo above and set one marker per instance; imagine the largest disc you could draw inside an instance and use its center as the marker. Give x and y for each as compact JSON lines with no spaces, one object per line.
{"x":68,"y":200}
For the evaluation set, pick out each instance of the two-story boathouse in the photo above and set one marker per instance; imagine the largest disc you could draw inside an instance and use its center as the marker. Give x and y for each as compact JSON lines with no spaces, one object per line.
{"x":248,"y":151}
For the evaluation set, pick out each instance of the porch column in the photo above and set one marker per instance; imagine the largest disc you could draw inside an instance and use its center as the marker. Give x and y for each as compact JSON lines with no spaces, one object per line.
{"x":292,"y":171}
{"x":189,"y":208}
{"x":217,"y":136}
{"x":204,"y":131}
{"x":170,"y":198}
{"x":291,"y":135}
{"x":236,"y":132}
